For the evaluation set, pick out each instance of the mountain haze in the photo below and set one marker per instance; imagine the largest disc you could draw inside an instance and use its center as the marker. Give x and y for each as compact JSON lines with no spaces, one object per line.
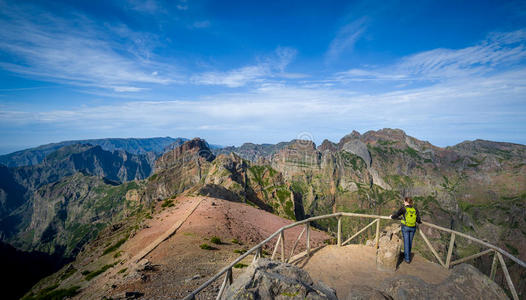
{"x":35,"y":155}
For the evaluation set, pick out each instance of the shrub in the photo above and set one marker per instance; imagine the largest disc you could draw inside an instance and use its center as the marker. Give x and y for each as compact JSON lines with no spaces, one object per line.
{"x":235,"y":241}
{"x":216,"y":240}
{"x":168,"y":203}
{"x":240,"y":266}
{"x":91,"y":275}
{"x":122,"y":271}
{"x":207,"y":247}
{"x":69,"y":271}
{"x":512,"y":249}
{"x":52,"y":293}
{"x":115,"y":246}
{"x":240,"y":251}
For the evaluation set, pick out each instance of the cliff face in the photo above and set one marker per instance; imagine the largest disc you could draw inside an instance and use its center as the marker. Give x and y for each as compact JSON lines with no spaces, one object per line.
{"x":55,"y":206}
{"x":252,"y":152}
{"x":69,"y":213}
{"x":192,"y":168}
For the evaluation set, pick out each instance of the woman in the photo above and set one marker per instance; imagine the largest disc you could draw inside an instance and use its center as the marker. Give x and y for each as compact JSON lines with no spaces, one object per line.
{"x":410,"y":216}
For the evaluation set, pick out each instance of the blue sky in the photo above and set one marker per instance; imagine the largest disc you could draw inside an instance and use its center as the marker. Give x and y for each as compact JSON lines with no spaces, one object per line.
{"x":261,"y":71}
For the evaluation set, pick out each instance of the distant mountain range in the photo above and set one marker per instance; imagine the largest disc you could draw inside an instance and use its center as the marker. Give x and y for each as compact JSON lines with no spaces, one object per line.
{"x":33,"y":156}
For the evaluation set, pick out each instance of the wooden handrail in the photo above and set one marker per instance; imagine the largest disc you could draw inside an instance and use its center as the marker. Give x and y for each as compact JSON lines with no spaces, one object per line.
{"x":486,"y":244}
{"x":361,"y":230}
{"x":280,"y":231}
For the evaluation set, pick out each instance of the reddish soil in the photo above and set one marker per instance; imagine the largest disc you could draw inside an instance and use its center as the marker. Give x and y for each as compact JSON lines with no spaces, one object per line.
{"x":180,"y":265}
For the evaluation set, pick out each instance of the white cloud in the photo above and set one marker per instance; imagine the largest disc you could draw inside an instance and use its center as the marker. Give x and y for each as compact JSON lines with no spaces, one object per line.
{"x":272,"y":66}
{"x":500,"y":50}
{"x":146,"y":6}
{"x":271,"y":107}
{"x":77,"y":51}
{"x":234,"y":78}
{"x":345,"y":39}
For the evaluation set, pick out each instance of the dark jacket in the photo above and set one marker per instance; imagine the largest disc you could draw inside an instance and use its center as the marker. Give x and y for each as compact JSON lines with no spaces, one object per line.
{"x":401,"y":212}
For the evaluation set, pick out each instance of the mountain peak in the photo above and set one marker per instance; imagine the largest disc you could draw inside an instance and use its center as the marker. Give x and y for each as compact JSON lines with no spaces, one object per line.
{"x":196,"y":146}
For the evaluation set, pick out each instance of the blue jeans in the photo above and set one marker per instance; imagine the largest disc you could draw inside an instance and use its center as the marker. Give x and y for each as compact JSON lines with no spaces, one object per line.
{"x":408,"y":234}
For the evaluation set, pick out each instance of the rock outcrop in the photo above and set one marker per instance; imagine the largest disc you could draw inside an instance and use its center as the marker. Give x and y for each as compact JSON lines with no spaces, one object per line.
{"x":389,"y":246}
{"x":465,"y":282}
{"x":358,"y":148}
{"x":362,"y":292}
{"x":267,"y":280}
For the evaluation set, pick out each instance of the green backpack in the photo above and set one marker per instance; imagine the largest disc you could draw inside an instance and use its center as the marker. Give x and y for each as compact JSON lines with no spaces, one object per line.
{"x":410,"y":217}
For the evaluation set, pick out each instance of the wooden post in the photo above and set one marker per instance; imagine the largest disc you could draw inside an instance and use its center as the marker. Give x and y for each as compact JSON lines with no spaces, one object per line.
{"x":282,"y":235}
{"x":307,"y":227}
{"x":377,"y":233}
{"x":493,"y":267}
{"x":508,"y":278}
{"x":339,"y":231}
{"x":431,"y":247}
{"x":257,"y":255}
{"x":450,"y":250}
{"x":229,"y":275}
{"x":276,"y":248}
{"x":223,"y":286}
{"x":296,"y":244}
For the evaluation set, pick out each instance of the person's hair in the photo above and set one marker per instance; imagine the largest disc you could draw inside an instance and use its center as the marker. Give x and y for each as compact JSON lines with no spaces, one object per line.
{"x":408,"y":200}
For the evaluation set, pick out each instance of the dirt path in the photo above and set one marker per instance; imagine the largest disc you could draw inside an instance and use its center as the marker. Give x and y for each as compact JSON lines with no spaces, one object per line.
{"x":339,"y":266}
{"x":180,"y":265}
{"x":168,"y":233}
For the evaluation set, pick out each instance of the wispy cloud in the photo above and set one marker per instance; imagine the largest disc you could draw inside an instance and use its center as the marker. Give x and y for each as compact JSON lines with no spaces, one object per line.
{"x":201,"y":24}
{"x":77,"y":51}
{"x":271,"y":66}
{"x":345,"y":39}
{"x":498,"y":51}
{"x":182,"y":5}
{"x":444,"y":111}
{"x":146,"y":6}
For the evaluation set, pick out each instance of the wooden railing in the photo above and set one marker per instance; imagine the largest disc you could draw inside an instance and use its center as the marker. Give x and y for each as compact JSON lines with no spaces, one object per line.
{"x":257,"y":250}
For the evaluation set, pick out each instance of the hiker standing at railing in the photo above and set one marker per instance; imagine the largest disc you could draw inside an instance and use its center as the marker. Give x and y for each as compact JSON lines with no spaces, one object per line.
{"x":410,"y":216}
